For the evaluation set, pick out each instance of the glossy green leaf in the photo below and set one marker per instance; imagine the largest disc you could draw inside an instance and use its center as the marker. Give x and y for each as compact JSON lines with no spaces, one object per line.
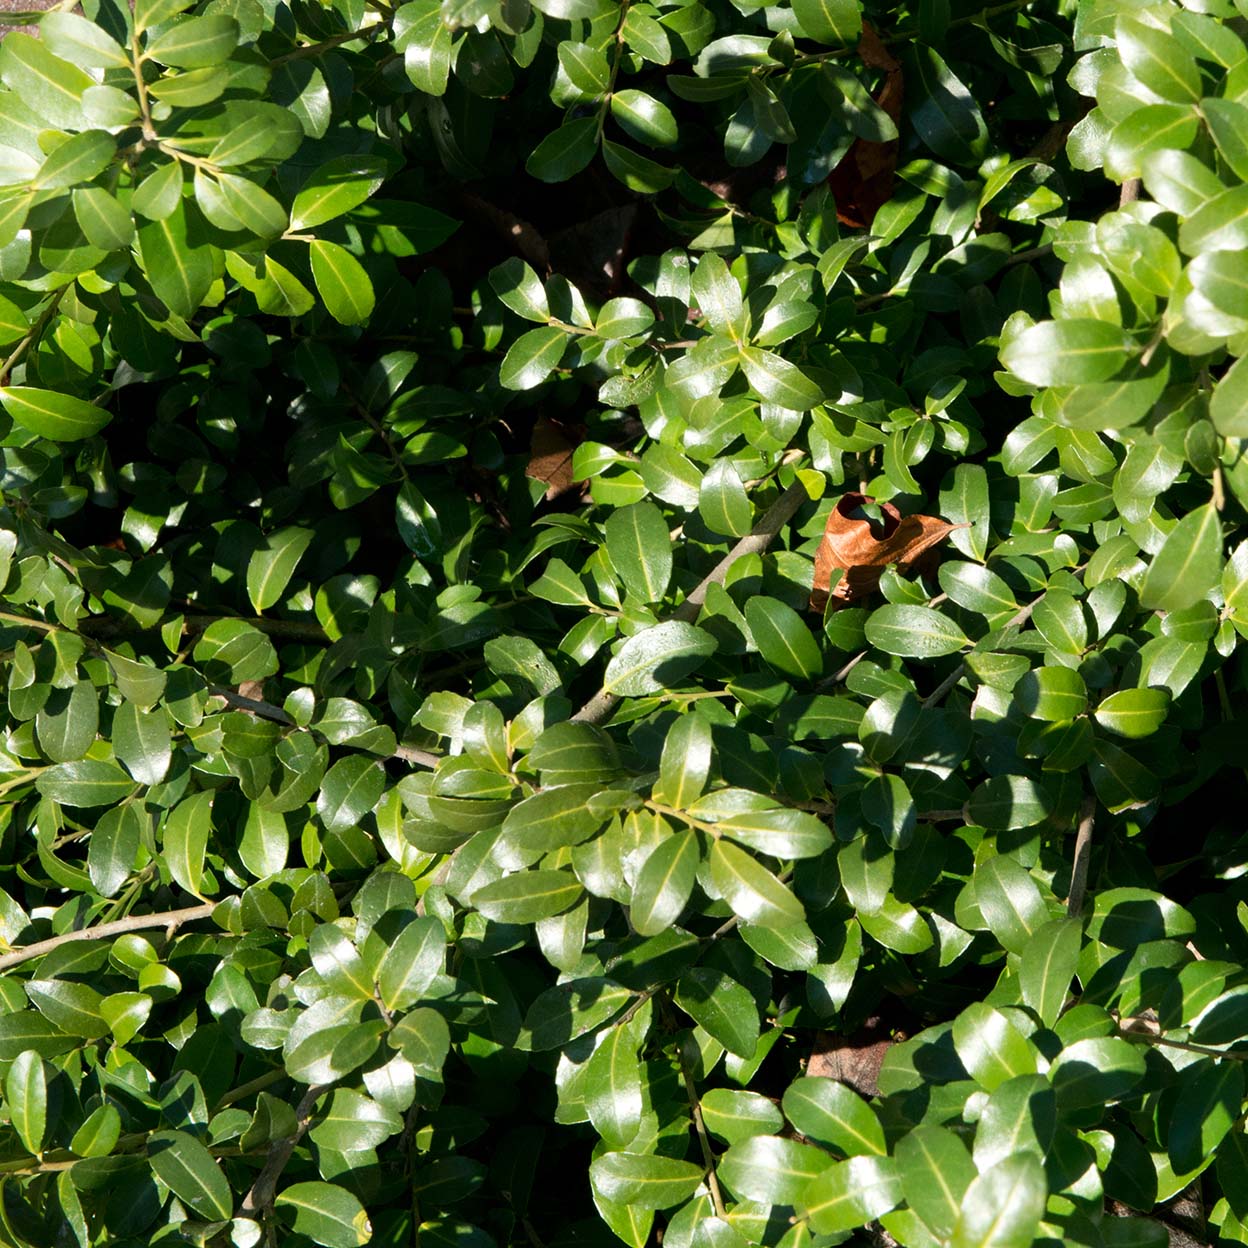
{"x":60,"y":417}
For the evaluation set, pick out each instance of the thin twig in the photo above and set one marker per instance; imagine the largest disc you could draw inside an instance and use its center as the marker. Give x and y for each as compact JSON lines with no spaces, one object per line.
{"x":699,"y":1126}
{"x":755,"y":542}
{"x":1205,"y":1050}
{"x":266,"y":710}
{"x":260,"y":1198}
{"x":15,"y":356}
{"x":1020,"y":617}
{"x":1083,"y":855}
{"x":172,"y":919}
{"x":258,"y":1084}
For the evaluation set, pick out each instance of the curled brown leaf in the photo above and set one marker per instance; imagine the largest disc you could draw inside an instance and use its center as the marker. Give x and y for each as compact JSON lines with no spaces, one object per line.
{"x":862,"y":548}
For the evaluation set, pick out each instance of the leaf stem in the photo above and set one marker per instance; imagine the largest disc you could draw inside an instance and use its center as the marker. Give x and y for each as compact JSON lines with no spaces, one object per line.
{"x":695,"y":1107}
{"x":327,"y":45}
{"x":171,"y":919}
{"x":15,"y":356}
{"x":260,"y":1198}
{"x":906,"y":36}
{"x":600,"y":706}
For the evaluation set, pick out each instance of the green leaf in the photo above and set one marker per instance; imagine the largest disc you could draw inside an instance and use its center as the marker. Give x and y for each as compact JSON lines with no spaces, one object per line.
{"x":565,"y":151}
{"x":1188,"y":564}
{"x":142,"y":742}
{"x":1053,"y":694}
{"x":646,"y":1181}
{"x":251,"y":205}
{"x":270,"y":568}
{"x":1211,"y":1103}
{"x":1068,"y":352}
{"x":643,"y":118}
{"x":1005,"y":803}
{"x":623,"y":318}
{"x":1228,"y":407}
{"x":718,"y":294}
{"x":1048,"y":963}
{"x":1226,"y":119}
{"x":783,"y":639}
{"x":1010,"y":902}
{"x":1096,"y":1071}
{"x":585,"y":66}
{"x":664,"y":883}
{"x":941,"y":109}
{"x":191,"y":1172}
{"x":991,"y":1048}
{"x":49,"y":86}
{"x":60,"y":417}
{"x":685,"y":765}
{"x":1158,"y":60}
{"x":26,"y":1099}
{"x":527,"y":896}
{"x":114,"y":848}
{"x":81,"y":41}
{"x":185,"y":840}
{"x":1133,"y":713}
{"x":851,"y":1193}
{"x":564,"y":814}
{"x":752,"y":891}
{"x":722,"y":501}
{"x":342,"y":282}
{"x":613,"y":1087}
{"x":86,"y":782}
{"x":195,"y":42}
{"x":770,"y":1169}
{"x":532,"y":358}
{"x":722,"y":1007}
{"x":657,"y":658}
{"x":79,"y":159}
{"x":914,"y":632}
{"x":640,"y":549}
{"x":104,"y":222}
{"x":335,"y":188}
{"x":834,"y":1116}
{"x":411,"y":963}
{"x":327,"y":1214}
{"x":180,"y":272}
{"x":160,"y":193}
{"x":735,"y":1116}
{"x":1002,"y":1208}
{"x":350,"y":790}
{"x":935,"y":1171}
{"x":837,"y":22}
{"x":779,"y":833}
{"x":66,"y":724}
{"x":779,"y":381}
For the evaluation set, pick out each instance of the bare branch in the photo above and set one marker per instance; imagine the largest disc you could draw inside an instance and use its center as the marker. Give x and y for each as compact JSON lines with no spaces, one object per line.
{"x":171,"y":919}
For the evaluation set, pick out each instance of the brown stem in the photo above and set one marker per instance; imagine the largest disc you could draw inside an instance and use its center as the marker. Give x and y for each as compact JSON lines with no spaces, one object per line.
{"x":266,"y":710}
{"x":695,"y":1107}
{"x":260,"y":1199}
{"x":244,"y":1090}
{"x":755,"y":542}
{"x":15,"y":356}
{"x":171,"y":919}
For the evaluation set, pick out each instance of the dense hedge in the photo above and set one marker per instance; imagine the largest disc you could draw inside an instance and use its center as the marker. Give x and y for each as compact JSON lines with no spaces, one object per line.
{"x":623,"y":620}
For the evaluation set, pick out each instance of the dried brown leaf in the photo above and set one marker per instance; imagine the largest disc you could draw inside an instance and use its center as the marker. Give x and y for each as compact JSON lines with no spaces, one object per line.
{"x":862,"y":549}
{"x":863,"y":182}
{"x":550,"y":456}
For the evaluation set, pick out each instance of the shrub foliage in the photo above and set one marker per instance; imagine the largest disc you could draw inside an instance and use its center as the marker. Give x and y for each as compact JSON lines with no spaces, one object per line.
{"x":621,"y":619}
